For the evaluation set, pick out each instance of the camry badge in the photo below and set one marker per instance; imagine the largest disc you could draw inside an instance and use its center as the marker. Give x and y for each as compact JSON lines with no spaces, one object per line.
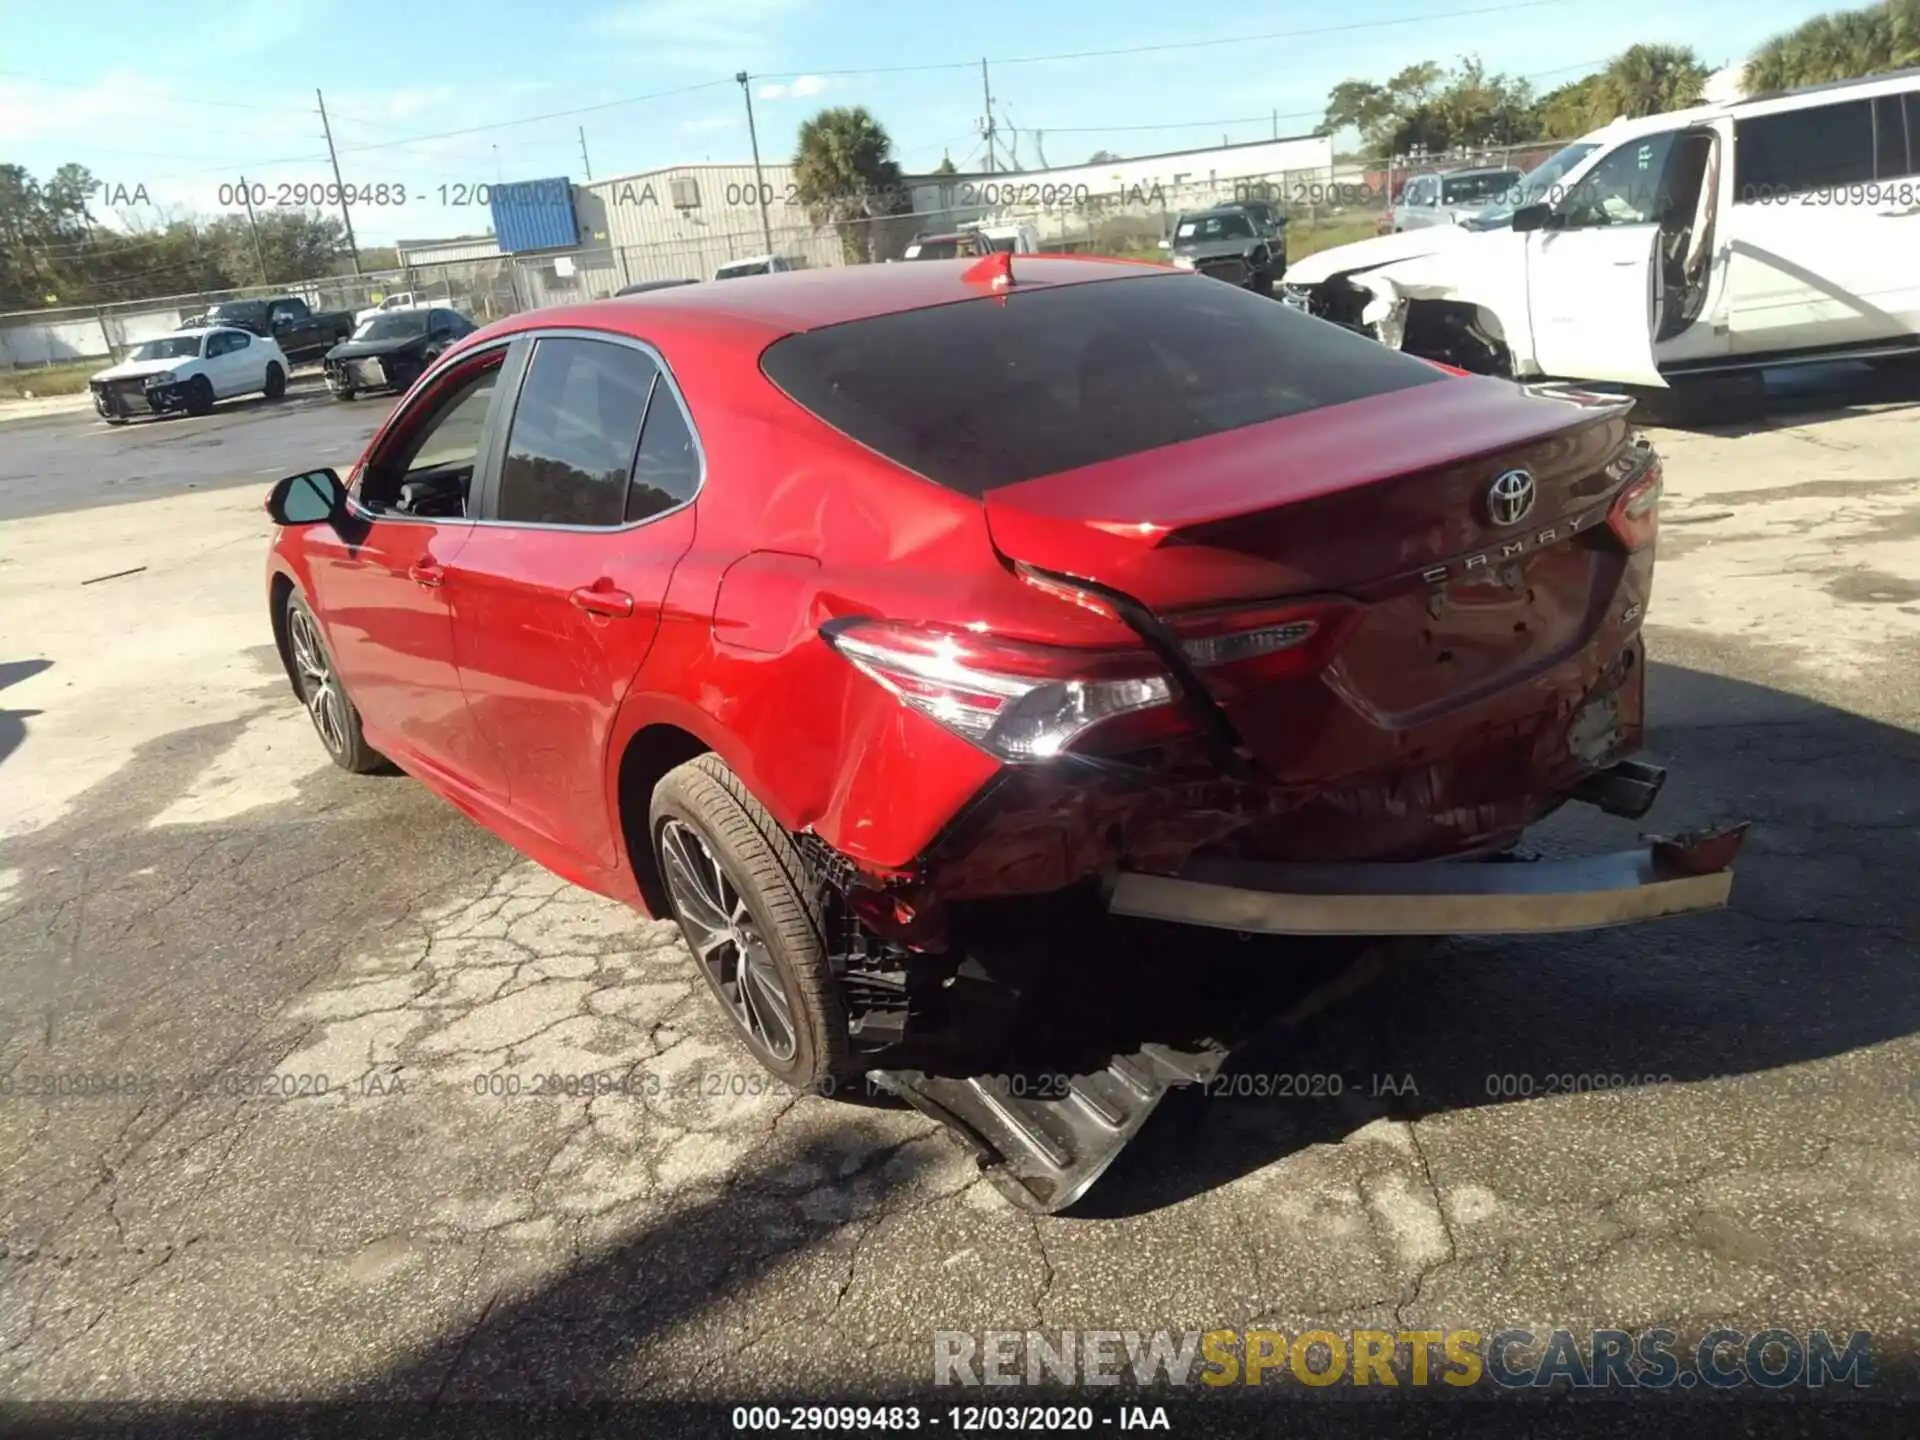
{"x":1510,"y":497}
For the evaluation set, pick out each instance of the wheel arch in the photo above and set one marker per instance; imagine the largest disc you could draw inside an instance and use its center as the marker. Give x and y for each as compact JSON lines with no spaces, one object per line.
{"x":280,"y":589}
{"x":651,"y":751}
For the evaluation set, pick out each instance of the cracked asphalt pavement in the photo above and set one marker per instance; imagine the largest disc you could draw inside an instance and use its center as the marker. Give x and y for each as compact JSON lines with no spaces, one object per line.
{"x":313,"y":1090}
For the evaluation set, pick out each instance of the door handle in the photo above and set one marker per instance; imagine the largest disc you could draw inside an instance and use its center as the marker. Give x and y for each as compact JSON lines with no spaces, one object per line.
{"x":425,"y":572}
{"x":597,"y":601}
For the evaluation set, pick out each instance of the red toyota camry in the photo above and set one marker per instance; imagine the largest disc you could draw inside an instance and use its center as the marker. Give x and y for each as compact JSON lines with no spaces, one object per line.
{"x":827,"y":611}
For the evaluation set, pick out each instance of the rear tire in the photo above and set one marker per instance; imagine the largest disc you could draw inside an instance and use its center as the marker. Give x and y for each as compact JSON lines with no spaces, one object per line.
{"x":738,"y":888}
{"x":335,"y":720}
{"x":276,"y":382}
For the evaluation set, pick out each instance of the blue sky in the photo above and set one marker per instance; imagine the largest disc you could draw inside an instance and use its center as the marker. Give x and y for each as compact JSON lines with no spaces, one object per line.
{"x":183,"y":107}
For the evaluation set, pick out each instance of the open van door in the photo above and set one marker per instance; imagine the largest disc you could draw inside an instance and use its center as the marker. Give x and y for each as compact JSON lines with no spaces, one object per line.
{"x":1594,"y":295}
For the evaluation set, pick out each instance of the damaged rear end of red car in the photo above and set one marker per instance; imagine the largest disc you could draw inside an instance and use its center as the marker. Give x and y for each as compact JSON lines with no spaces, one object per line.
{"x":1335,"y":628}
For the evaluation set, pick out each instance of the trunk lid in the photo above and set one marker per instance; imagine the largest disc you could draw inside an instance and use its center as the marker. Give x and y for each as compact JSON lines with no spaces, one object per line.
{"x":1384,"y":502}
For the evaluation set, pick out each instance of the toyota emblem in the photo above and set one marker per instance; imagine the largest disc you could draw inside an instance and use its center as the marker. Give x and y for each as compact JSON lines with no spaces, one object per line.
{"x":1510,"y":497}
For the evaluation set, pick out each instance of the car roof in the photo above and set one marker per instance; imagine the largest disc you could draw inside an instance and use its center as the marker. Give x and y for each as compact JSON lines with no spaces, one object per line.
{"x":747,"y":260}
{"x":1475,"y":170}
{"x":795,"y":300}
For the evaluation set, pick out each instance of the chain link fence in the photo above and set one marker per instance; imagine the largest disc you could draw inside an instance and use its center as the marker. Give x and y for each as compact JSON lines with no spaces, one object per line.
{"x":1326,"y":205}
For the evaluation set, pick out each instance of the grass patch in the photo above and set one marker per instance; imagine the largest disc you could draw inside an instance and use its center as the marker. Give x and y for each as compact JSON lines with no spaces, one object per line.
{"x":43,"y":380}
{"x":1305,"y":240}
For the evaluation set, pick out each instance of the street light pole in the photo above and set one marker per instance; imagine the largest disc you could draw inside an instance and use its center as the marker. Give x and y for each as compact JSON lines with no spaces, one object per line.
{"x":759,"y":184}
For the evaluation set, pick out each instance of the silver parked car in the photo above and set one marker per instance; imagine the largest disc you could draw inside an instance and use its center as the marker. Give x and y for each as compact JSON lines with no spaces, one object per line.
{"x":1449,"y":197}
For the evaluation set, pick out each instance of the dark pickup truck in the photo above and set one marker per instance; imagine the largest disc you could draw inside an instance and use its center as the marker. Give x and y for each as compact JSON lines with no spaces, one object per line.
{"x":301,"y":334}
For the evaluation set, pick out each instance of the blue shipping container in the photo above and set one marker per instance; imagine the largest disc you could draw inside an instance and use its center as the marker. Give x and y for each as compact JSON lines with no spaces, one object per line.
{"x":535,"y":215}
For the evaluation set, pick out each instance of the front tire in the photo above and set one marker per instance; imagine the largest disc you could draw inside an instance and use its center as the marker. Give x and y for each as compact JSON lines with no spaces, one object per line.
{"x":738,"y":888}
{"x":335,"y":720}
{"x":199,"y":396}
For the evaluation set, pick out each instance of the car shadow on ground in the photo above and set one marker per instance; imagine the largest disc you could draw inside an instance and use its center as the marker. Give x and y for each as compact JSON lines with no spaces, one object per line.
{"x":1811,"y":961}
{"x":1794,"y":398}
{"x":13,"y":723}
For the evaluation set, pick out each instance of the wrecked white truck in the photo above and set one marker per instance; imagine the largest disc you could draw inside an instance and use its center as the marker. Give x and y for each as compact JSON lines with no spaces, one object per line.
{"x":1666,"y":252}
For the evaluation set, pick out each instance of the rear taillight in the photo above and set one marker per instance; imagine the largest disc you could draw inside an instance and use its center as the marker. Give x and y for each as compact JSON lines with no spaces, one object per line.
{"x":1239,"y":648}
{"x":1635,"y":514}
{"x":1016,"y":700}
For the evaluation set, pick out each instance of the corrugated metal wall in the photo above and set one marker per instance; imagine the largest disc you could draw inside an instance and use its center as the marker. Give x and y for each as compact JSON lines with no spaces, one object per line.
{"x":688,"y":221}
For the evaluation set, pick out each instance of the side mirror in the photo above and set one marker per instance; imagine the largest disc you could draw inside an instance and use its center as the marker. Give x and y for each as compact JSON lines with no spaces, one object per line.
{"x":310,"y":498}
{"x":1533,"y":217}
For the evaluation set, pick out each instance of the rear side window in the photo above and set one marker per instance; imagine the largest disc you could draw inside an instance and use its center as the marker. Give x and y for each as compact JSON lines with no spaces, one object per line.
{"x":990,"y":392}
{"x":1794,"y":151}
{"x":1896,"y":143}
{"x":666,"y":472}
{"x":576,"y":426}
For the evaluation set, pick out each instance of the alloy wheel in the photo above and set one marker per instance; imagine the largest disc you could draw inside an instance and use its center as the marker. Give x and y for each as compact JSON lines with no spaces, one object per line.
{"x":726,"y":940}
{"x":318,"y":687}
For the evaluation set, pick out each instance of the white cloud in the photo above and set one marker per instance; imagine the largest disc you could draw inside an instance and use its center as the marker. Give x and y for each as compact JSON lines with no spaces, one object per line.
{"x":801,"y":87}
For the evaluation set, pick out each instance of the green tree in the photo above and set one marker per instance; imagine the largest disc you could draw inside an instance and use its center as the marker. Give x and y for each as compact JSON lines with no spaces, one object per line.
{"x":1102,"y":157}
{"x":845,"y":174}
{"x":1570,"y":110}
{"x":1426,"y":107}
{"x":1648,"y":79}
{"x":946,"y":166}
{"x":1841,"y":45}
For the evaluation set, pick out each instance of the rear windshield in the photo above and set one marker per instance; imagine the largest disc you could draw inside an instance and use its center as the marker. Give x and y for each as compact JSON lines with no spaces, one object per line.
{"x":990,"y":392}
{"x":1465,"y":189}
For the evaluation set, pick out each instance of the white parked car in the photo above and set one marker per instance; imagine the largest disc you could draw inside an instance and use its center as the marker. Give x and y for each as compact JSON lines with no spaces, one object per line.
{"x":756,"y":265}
{"x":405,"y":300}
{"x":1773,"y":230}
{"x":189,"y":370}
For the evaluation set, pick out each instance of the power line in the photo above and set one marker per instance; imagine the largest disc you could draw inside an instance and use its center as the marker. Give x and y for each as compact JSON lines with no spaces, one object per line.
{"x":1269,"y":116}
{"x":549,"y":115}
{"x":1419,"y":19}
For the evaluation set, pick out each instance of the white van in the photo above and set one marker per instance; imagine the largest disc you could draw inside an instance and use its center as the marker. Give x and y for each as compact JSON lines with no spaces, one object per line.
{"x":1773,"y":230}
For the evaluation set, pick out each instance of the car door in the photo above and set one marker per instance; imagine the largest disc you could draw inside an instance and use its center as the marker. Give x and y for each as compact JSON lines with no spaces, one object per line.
{"x":1815,"y":260}
{"x":381,"y":579}
{"x":1593,"y":282}
{"x":237,"y":369}
{"x":557,"y":597}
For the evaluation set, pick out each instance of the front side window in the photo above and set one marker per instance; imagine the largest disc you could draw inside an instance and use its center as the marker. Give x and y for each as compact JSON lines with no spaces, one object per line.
{"x":172,"y":347}
{"x":1625,"y":188}
{"x":1795,"y":151}
{"x":576,"y":427}
{"x":430,"y":470}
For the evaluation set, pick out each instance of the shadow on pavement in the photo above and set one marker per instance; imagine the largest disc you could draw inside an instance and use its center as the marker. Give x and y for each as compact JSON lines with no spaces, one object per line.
{"x":13,"y":723}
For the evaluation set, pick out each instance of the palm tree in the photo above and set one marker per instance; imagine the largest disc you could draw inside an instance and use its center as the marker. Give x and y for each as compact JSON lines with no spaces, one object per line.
{"x":845,"y":174}
{"x":1649,"y":79}
{"x":1842,"y":45}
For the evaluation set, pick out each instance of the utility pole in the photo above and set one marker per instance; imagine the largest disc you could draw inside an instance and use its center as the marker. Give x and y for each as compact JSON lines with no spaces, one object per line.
{"x":253,"y":225}
{"x":585,"y":163}
{"x":759,"y":184}
{"x":1276,"y":122}
{"x":986,"y":89}
{"x":353,"y":249}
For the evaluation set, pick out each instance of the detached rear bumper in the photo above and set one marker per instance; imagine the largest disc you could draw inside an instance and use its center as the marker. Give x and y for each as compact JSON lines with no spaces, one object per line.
{"x":1664,"y":878}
